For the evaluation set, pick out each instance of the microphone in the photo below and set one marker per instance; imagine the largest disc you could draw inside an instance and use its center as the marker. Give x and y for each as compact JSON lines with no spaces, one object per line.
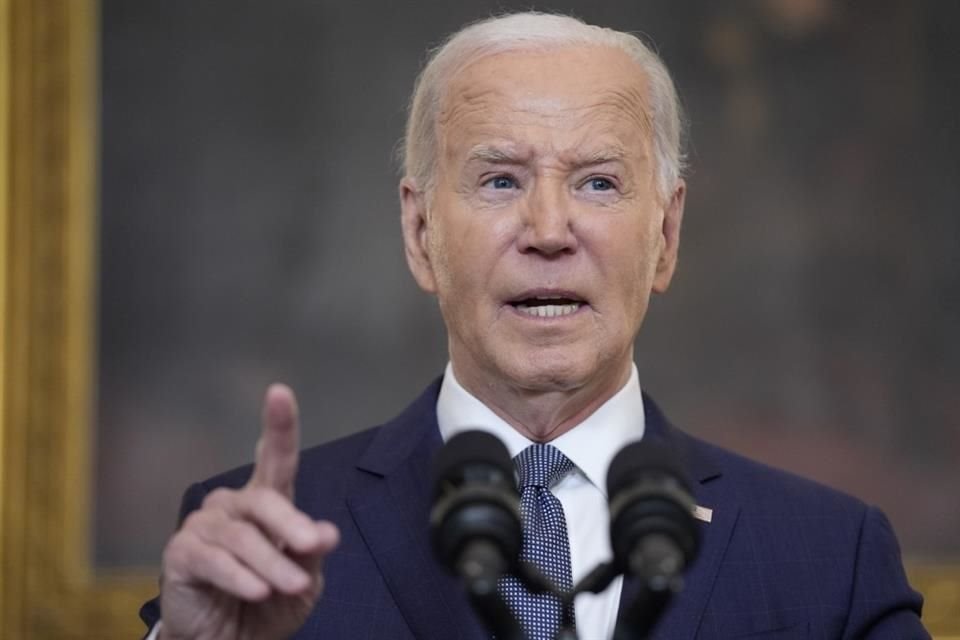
{"x":475,"y":522}
{"x":653,"y":533}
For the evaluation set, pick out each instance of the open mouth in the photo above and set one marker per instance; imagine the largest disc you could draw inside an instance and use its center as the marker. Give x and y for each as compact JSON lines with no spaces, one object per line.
{"x":547,"y":306}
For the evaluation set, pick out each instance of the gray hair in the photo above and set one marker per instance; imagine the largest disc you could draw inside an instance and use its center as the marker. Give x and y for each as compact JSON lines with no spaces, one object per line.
{"x":537,"y":31}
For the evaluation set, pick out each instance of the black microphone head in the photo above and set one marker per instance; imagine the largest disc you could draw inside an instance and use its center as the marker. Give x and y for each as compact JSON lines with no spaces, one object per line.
{"x":650,"y":501}
{"x":471,"y":453}
{"x":476,"y":504}
{"x":644,"y":457}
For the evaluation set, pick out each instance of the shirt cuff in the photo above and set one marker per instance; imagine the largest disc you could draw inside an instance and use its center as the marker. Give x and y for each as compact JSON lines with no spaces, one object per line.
{"x":154,"y":632}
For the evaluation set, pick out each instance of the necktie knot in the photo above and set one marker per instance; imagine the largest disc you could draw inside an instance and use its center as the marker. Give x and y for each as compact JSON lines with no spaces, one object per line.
{"x":541,"y":465}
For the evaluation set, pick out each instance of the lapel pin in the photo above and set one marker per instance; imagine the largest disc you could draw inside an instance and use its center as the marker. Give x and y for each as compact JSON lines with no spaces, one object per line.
{"x":702,"y":513}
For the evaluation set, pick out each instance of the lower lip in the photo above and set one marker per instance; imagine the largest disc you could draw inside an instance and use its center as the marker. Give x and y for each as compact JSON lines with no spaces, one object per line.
{"x":549,"y":319}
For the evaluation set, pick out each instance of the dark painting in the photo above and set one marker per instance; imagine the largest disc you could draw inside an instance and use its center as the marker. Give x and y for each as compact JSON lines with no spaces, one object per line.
{"x":250,"y":233}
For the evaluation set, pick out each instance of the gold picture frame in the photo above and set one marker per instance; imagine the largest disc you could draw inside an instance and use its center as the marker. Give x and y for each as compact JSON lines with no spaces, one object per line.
{"x":49,"y":588}
{"x":48,"y":120}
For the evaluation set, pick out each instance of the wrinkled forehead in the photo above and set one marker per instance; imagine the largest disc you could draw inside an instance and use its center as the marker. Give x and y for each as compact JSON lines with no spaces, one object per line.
{"x":575,"y":89}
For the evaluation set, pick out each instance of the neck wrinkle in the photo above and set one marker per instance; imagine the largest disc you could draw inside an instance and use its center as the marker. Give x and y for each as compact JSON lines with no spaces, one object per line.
{"x":542,"y":416}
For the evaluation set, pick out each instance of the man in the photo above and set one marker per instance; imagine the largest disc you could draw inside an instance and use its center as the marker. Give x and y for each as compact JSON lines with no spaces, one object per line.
{"x":542,"y":205}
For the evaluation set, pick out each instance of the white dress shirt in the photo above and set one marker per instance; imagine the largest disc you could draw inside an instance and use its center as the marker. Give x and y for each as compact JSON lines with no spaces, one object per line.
{"x":591,"y":446}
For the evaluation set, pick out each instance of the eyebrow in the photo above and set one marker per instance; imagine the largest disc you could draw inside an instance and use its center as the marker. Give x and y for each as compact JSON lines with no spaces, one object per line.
{"x":602,"y":156}
{"x":498,"y":155}
{"x":495,"y":155}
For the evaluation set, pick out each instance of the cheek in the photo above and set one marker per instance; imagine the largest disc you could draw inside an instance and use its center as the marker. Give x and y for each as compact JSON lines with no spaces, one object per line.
{"x":460,"y":259}
{"x":473,"y":244}
{"x":628,"y":256}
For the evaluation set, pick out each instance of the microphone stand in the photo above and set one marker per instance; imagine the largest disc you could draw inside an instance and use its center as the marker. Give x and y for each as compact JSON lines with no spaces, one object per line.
{"x":594,"y":582}
{"x":658,"y":565}
{"x":483,"y":567}
{"x":638,"y":620}
{"x":482,"y":589}
{"x":481,"y":570}
{"x":536,"y":582}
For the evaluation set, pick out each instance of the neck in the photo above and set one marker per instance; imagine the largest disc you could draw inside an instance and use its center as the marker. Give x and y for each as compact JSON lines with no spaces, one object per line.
{"x":542,"y":415}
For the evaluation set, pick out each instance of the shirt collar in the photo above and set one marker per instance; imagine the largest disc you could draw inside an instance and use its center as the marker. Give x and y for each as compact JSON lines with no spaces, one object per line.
{"x":590,"y":445}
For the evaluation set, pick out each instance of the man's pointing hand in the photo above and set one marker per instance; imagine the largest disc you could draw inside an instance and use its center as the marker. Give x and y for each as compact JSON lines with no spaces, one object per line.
{"x":248,"y":564}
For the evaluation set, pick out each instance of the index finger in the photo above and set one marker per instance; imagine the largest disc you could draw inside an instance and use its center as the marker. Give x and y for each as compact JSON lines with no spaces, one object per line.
{"x":278,"y":449}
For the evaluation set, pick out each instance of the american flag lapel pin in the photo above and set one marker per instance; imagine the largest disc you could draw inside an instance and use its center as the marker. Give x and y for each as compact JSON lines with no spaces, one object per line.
{"x":702,"y":513}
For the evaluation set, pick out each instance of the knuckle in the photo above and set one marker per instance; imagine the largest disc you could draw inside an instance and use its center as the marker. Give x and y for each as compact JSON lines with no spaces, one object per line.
{"x":194,"y":521}
{"x":268,"y":504}
{"x":261,"y":495}
{"x":177,"y":553}
{"x":218,"y":497}
{"x":204,"y":520}
{"x":239,"y":535}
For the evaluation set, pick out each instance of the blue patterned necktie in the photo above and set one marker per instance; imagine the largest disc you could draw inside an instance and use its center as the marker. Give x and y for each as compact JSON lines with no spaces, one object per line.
{"x":545,"y":542}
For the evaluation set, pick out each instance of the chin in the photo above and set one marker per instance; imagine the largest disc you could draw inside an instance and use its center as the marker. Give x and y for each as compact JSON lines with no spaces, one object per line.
{"x":551,"y":370}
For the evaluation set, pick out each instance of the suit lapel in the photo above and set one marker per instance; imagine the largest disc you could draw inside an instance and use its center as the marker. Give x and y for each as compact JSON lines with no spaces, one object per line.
{"x":392,"y":513}
{"x":682,"y":618}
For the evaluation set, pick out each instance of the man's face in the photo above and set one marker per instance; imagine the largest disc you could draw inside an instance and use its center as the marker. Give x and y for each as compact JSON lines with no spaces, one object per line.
{"x":544,"y":235}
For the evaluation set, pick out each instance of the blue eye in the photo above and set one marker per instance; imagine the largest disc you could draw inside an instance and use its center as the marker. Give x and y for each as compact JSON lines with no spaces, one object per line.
{"x":600,"y":184}
{"x":502,"y":182}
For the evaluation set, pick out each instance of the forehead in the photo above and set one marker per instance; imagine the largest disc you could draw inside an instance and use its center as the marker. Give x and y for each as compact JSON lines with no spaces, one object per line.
{"x":567,"y":96}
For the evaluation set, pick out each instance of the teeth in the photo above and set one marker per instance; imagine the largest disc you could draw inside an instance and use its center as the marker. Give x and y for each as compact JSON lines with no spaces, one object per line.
{"x":549,"y":310}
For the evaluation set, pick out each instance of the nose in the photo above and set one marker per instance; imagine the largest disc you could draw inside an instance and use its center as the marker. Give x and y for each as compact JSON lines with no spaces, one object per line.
{"x":547,"y":222}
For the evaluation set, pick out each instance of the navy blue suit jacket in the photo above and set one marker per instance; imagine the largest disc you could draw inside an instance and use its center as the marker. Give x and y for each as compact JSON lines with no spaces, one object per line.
{"x":782,"y":558}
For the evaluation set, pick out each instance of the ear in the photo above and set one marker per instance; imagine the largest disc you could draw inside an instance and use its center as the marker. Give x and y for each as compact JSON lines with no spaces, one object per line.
{"x":670,"y":239}
{"x":414,"y":222}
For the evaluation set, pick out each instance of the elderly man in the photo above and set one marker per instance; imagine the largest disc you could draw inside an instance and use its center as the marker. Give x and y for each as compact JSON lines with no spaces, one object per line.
{"x":542,"y":205}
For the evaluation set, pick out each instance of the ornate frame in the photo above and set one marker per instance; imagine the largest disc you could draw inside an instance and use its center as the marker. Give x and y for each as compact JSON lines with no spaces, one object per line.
{"x":48,"y":239}
{"x":48,"y":122}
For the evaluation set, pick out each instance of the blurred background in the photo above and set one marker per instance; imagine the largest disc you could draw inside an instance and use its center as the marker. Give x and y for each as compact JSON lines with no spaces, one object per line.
{"x":250,"y":233}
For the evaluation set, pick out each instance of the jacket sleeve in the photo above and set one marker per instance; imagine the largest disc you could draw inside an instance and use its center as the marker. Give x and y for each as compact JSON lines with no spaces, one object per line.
{"x":882,"y":604}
